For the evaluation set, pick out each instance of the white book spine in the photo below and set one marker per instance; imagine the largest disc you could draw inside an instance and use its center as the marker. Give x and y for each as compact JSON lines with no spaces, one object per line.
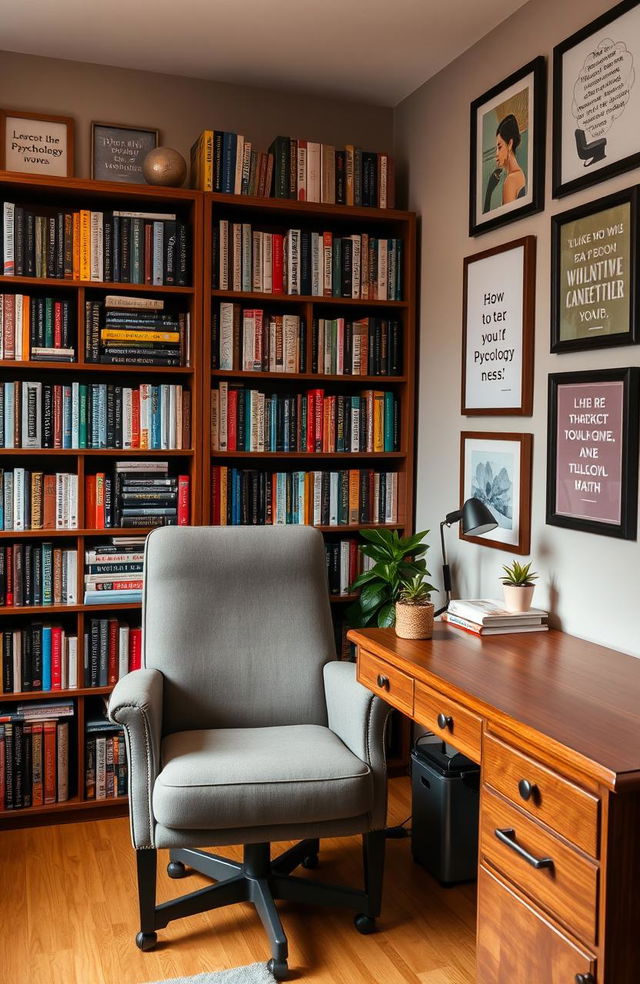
{"x":215,"y":418}
{"x":355,"y":427}
{"x":356,"y":266}
{"x":96,"y":245}
{"x":267,"y":263}
{"x":317,"y":498}
{"x":158,"y":253}
{"x":247,"y":279}
{"x":333,"y":498}
{"x":237,"y":183}
{"x":72,"y":662}
{"x":18,"y":498}
{"x":8,"y":500}
{"x":222,"y":416}
{"x":313,"y":171}
{"x":226,"y":335}
{"x":17,"y":328}
{"x":72,"y":576}
{"x":293,"y":261}
{"x":127,"y":417}
{"x":164,"y":417}
{"x":172,"y":436}
{"x":9,"y":407}
{"x":246,"y":165}
{"x":257,"y":261}
{"x":8,"y":245}
{"x":60,"y":498}
{"x":75,"y":415}
{"x":178,"y":425}
{"x":123,"y":651}
{"x":300,"y":485}
{"x":290,"y":329}
{"x":72,"y":482}
{"x":64,"y":662}
{"x":382,"y":189}
{"x":340,"y":347}
{"x":248,"y":340}
{"x":236,"y":232}
{"x":145,"y":415}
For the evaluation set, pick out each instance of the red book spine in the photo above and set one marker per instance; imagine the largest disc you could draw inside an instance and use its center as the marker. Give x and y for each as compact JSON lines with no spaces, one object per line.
{"x":90,"y":502}
{"x":232,"y":420}
{"x":57,"y":416}
{"x":259,"y":340}
{"x":112,"y":664}
{"x":9,"y":576}
{"x":183,"y":500}
{"x":56,"y":657}
{"x":36,"y":763}
{"x":49,"y":760}
{"x":135,"y":649}
{"x":277,"y":265}
{"x":57,"y":324}
{"x":135,"y":418}
{"x":311,"y":416}
{"x":318,"y":423}
{"x":100,"y":477}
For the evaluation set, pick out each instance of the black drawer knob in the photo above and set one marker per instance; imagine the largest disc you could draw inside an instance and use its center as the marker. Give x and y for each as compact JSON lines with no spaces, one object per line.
{"x":383,"y":682}
{"x":528,"y":790}
{"x":445,"y":721}
{"x":585,"y":979}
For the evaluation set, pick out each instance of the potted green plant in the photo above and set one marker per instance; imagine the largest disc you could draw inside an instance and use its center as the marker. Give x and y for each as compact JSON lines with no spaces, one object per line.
{"x":397,"y":559}
{"x":518,"y":586}
{"x":414,"y":609}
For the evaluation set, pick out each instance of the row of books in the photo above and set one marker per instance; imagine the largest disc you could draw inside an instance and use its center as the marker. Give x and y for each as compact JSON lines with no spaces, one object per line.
{"x":345,"y":561}
{"x":361,"y":347}
{"x":105,"y":760}
{"x":244,"y":419}
{"x":255,"y":340}
{"x":137,"y":494}
{"x":33,"y":500}
{"x":38,"y":328}
{"x":38,"y":656}
{"x":112,"y":648}
{"x":34,"y":755}
{"x":241,"y":497}
{"x":78,"y":415}
{"x":33,"y":574}
{"x":113,"y":572}
{"x":292,"y":168}
{"x":300,"y":261}
{"x":483,"y":617}
{"x":118,"y":246}
{"x":136,"y":331}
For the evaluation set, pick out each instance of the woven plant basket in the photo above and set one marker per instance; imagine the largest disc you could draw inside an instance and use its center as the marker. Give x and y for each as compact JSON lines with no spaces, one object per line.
{"x":414,"y":621}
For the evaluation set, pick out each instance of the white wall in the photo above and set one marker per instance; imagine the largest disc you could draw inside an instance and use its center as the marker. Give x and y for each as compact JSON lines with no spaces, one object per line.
{"x":591,"y":582}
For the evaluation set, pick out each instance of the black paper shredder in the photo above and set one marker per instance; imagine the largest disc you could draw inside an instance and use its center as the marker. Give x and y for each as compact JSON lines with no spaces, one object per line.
{"x":446,"y":804}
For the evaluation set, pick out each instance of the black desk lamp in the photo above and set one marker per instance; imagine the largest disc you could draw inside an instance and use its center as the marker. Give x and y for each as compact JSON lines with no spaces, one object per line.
{"x":476,"y":520}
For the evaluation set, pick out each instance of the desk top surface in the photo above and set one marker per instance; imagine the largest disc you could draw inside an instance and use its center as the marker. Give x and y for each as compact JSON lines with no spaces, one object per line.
{"x":583,"y":696}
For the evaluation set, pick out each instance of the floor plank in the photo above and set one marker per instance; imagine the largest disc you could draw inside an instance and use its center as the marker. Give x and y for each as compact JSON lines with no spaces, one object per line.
{"x":69,"y":915}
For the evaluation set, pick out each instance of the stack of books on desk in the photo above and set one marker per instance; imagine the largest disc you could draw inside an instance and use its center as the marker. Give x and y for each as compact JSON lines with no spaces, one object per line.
{"x":488,"y":617}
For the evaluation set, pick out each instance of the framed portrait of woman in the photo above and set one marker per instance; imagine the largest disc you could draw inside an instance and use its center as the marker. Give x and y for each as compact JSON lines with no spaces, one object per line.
{"x":507,"y":149}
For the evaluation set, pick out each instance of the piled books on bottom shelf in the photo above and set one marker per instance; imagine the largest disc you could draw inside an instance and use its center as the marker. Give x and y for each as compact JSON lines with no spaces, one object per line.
{"x":321,"y":498}
{"x":488,"y":617}
{"x":38,"y":657}
{"x":113,"y":572}
{"x":31,"y":500}
{"x":105,"y":762}
{"x":34,"y":755}
{"x":112,"y":649}
{"x":137,"y":494}
{"x":37,"y":574}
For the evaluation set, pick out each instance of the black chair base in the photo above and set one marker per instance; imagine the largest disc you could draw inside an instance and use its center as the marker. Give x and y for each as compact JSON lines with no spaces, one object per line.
{"x":259,"y":880}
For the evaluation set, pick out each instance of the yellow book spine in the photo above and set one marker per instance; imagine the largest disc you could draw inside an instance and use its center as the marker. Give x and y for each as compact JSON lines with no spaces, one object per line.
{"x":207,"y":160}
{"x":76,"y":246}
{"x":378,"y":421}
{"x":85,"y":245}
{"x":116,"y":334}
{"x":223,"y":495}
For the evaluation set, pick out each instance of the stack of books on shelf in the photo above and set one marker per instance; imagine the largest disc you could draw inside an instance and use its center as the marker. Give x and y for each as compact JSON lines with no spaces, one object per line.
{"x":243,"y":419}
{"x":40,"y":329}
{"x":242,"y":496}
{"x":137,"y":494}
{"x":300,"y":261}
{"x":118,"y":246}
{"x":111,"y":650}
{"x":105,"y":759}
{"x":113,"y":572}
{"x":345,"y":561}
{"x":488,"y":617}
{"x":364,"y":347}
{"x":293,"y":168}
{"x":32,"y":500}
{"x":39,"y":657}
{"x":136,"y":331}
{"x":254,"y":340}
{"x":33,"y":574}
{"x":34,"y":754}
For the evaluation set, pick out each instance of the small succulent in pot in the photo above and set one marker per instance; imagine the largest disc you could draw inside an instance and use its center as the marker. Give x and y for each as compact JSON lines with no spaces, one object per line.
{"x":414,"y":610}
{"x":519,"y":585}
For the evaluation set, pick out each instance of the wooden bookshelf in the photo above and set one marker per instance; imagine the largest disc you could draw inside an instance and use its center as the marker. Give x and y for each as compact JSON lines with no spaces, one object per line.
{"x":278,"y":215}
{"x":72,"y":193}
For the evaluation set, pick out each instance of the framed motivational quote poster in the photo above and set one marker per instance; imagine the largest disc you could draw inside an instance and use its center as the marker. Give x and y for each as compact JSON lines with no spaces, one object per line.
{"x":595,"y":286}
{"x":592,"y":468}
{"x":498,"y":329}
{"x":596,"y":100}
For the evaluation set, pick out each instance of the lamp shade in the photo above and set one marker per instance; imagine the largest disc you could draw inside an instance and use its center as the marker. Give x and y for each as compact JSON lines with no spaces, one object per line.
{"x":477,"y":518}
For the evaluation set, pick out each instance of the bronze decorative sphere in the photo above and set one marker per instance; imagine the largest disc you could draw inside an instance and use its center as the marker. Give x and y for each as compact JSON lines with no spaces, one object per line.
{"x":164,"y":166}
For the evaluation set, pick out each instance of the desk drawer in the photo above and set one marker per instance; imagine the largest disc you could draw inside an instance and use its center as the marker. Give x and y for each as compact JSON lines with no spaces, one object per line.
{"x":448,"y":719}
{"x":567,"y":888}
{"x":387,"y":681}
{"x":545,"y":795}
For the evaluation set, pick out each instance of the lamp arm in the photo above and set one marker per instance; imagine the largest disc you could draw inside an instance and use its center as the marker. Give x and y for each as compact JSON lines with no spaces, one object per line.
{"x":446,"y":572}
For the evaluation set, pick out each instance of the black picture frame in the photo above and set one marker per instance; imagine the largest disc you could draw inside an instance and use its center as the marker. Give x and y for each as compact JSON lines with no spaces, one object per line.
{"x":534,"y":201}
{"x":626,"y":455}
{"x":589,"y":257}
{"x":122,"y":159}
{"x":591,"y":145}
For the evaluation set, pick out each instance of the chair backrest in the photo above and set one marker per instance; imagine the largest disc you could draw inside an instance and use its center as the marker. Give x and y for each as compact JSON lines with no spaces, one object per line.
{"x":238,"y":621}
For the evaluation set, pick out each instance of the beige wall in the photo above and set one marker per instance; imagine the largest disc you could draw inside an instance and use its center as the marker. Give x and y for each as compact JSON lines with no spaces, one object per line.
{"x":181,"y":107}
{"x":591,"y":581}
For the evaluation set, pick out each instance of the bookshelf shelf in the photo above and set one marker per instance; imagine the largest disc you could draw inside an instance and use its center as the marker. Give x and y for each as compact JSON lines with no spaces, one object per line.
{"x":110,"y":286}
{"x":311,"y":377}
{"x":75,"y":367}
{"x":134,"y":453}
{"x":315,"y":299}
{"x":310,"y":455}
{"x":88,"y":532}
{"x":63,"y":610}
{"x":61,"y":694}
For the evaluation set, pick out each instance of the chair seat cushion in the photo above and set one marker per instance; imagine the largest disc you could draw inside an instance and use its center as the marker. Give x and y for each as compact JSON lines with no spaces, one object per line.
{"x":243,"y":777}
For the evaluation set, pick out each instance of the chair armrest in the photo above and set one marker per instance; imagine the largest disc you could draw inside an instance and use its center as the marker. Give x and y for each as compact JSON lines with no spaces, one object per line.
{"x":136,"y":704}
{"x":359,"y":718}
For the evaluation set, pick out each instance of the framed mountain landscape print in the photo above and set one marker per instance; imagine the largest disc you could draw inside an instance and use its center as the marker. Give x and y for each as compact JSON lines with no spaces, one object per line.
{"x":496,"y":468}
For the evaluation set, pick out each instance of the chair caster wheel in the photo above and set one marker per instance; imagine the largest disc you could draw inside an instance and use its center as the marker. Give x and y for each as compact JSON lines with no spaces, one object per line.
{"x":279,"y":969}
{"x":311,"y":862}
{"x":176,"y":869}
{"x":146,"y":941}
{"x":364,"y":924}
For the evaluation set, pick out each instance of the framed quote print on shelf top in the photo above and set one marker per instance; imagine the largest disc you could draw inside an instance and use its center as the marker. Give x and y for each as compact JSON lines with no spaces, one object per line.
{"x":595,"y":287}
{"x":508,"y":125}
{"x":118,"y":150}
{"x":596,"y":100}
{"x":36,"y":143}
{"x":498,"y":329}
{"x":496,"y":468}
{"x":592,"y":466}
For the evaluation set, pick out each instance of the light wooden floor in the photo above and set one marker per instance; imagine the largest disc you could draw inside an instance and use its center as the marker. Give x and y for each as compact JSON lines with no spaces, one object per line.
{"x":68,"y":915}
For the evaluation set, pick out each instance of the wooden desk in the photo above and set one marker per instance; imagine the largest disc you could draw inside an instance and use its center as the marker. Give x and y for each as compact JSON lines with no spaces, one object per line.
{"x":555,"y":723}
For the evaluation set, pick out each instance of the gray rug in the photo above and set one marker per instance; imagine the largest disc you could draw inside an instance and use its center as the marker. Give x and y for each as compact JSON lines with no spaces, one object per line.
{"x":256,"y":973}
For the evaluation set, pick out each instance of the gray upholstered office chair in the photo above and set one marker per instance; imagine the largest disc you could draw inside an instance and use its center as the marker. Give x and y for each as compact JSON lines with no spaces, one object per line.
{"x":242,"y":728}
